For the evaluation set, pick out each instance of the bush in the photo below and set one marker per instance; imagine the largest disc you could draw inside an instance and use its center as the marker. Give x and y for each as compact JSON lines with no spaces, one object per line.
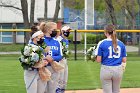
{"x":70,"y":37}
{"x":91,"y":38}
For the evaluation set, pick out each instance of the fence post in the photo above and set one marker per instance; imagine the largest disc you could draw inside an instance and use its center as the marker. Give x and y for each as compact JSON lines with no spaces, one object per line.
{"x":14,"y":26}
{"x":75,"y":44}
{"x":139,"y":46}
{"x":24,"y":38}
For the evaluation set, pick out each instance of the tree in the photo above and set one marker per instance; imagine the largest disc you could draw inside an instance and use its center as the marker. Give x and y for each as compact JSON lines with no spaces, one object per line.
{"x":138,"y":1}
{"x":24,"y":6}
{"x":132,"y":13}
{"x":57,"y":8}
{"x":24,"y":9}
{"x":74,"y":4}
{"x":45,"y":10}
{"x":14,"y":33}
{"x":130,"y":10}
{"x":99,"y":5}
{"x":111,"y":12}
{"x":10,"y":5}
{"x":32,"y":12}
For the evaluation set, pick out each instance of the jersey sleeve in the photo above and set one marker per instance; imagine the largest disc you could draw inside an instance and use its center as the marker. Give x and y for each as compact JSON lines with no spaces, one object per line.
{"x":98,"y":51}
{"x":61,"y":47}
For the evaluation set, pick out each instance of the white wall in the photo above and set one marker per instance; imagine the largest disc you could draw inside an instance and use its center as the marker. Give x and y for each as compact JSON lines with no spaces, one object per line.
{"x":11,"y":15}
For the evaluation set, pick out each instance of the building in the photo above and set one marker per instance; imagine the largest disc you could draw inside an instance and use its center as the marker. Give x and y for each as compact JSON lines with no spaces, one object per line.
{"x":11,"y":16}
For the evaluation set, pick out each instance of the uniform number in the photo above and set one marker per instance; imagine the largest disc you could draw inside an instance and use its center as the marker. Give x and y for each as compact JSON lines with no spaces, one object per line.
{"x":50,"y":53}
{"x":116,"y":55}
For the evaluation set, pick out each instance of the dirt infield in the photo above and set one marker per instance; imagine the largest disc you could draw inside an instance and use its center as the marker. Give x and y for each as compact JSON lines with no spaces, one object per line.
{"x":125,"y":90}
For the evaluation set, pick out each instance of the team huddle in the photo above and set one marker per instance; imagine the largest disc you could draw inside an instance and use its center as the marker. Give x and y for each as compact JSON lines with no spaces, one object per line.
{"x":45,"y":59}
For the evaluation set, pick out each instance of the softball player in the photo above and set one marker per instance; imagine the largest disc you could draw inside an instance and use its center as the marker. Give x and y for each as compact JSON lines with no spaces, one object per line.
{"x":65,"y":31}
{"x":111,"y":52}
{"x":31,"y":77}
{"x":54,"y":54}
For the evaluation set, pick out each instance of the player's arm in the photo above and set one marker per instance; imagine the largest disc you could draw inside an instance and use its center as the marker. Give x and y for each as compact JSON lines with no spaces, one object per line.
{"x":124,"y":59}
{"x":124,"y":63}
{"x":124,"y":54}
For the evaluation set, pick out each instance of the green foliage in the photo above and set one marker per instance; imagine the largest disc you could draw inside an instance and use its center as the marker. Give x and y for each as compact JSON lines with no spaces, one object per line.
{"x":127,"y":4}
{"x":43,"y":45}
{"x":91,"y":38}
{"x":65,"y":50}
{"x":99,"y":5}
{"x":74,"y":4}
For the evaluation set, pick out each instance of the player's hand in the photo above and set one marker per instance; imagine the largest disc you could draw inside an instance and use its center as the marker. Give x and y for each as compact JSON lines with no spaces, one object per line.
{"x":47,"y":49}
{"x":49,"y":58}
{"x":123,"y":66}
{"x":45,"y":62}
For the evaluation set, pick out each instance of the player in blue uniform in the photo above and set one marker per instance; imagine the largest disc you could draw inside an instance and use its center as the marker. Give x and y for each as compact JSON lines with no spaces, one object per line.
{"x":111,"y":52}
{"x":54,"y":53}
{"x":32,"y":79}
{"x":64,"y":34}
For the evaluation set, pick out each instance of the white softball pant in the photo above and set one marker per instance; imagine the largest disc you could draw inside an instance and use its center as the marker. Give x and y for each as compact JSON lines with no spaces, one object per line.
{"x":51,"y":85}
{"x":33,"y":82}
{"x":111,"y":77}
{"x":63,"y":78}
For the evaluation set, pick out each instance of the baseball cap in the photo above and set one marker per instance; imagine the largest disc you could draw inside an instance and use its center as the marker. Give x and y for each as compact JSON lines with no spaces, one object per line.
{"x":65,"y":28}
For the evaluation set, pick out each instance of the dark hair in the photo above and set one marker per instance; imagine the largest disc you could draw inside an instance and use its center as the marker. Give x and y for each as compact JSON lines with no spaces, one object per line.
{"x":110,"y":29}
{"x":33,"y":30}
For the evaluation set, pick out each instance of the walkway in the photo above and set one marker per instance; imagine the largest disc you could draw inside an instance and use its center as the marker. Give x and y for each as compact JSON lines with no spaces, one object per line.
{"x":128,"y":49}
{"x":125,"y":90}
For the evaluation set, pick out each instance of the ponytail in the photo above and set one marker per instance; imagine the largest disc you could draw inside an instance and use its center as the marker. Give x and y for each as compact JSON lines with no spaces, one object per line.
{"x":110,"y":29}
{"x":43,"y":27}
{"x":114,"y":41}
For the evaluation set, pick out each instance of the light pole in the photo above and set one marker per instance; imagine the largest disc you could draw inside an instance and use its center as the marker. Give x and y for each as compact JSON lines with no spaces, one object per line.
{"x":85,"y":42}
{"x":89,"y":19}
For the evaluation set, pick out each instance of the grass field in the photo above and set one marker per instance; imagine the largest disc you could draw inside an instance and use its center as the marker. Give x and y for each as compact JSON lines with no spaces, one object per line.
{"x":82,"y":75}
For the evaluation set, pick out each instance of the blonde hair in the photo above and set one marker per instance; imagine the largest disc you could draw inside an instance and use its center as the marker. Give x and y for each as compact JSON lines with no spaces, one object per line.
{"x":110,"y":29}
{"x":44,"y":26}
